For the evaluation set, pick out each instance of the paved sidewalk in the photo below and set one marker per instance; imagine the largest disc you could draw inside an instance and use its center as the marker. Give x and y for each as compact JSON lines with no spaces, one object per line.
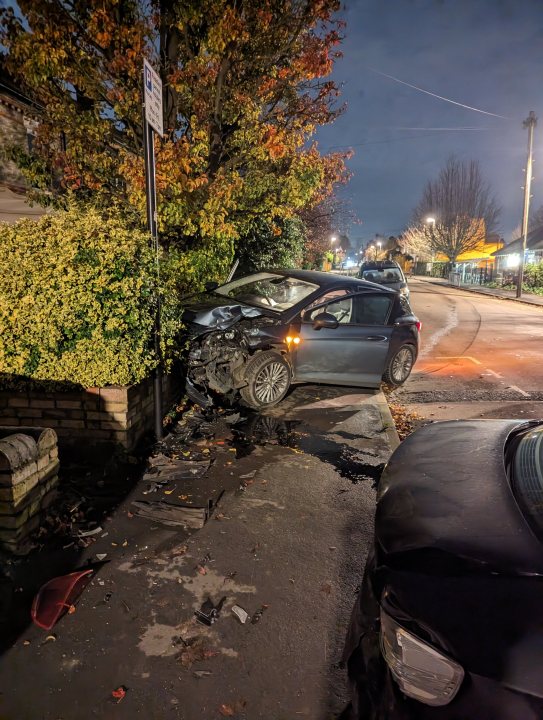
{"x":288,"y":548}
{"x":526,"y":298}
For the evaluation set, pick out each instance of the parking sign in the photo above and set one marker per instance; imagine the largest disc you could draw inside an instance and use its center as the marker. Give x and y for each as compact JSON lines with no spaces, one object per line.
{"x":152,"y":90}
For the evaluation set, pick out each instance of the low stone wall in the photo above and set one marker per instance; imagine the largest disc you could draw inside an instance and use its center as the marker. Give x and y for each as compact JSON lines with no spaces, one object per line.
{"x":119,"y":414}
{"x":28,"y":478}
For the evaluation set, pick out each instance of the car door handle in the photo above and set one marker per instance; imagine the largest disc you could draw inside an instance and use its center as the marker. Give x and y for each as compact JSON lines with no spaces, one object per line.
{"x":375,"y":338}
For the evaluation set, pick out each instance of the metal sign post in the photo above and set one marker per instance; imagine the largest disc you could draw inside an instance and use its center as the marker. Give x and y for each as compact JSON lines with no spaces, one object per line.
{"x":152,"y":122}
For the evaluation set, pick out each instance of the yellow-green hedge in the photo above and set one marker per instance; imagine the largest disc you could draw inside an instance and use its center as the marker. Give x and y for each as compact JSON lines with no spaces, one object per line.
{"x":76,"y":300}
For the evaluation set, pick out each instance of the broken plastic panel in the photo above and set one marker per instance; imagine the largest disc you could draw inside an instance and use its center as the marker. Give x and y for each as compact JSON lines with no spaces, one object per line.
{"x":57,"y":596}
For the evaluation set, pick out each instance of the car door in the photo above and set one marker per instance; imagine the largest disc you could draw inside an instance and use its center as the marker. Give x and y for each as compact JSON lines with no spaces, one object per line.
{"x":354,"y":352}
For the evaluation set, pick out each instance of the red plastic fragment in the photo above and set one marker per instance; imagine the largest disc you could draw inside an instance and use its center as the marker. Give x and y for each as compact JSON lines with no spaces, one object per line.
{"x":119,"y":693}
{"x":56,"y":597}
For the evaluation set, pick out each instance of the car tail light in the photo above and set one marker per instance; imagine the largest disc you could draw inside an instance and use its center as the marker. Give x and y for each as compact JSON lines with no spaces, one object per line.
{"x":421,"y":672}
{"x":419,"y":325}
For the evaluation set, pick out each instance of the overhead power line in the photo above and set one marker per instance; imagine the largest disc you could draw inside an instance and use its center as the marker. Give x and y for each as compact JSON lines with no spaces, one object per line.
{"x":439,"y":97}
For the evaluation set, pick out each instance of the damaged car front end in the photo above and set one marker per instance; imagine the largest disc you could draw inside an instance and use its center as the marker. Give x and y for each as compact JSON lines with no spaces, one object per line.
{"x":218,"y":357}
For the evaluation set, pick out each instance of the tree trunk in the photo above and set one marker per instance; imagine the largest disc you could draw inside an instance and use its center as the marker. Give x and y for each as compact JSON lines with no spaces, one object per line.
{"x":170,"y":40}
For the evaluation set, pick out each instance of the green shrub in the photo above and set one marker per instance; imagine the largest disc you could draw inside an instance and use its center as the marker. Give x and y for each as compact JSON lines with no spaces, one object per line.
{"x":76,"y":299}
{"x":533,"y":275}
{"x":267,"y":245}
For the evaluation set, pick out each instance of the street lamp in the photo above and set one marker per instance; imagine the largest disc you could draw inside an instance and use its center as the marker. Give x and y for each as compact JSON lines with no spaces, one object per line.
{"x":333,"y":239}
{"x":379,"y":243}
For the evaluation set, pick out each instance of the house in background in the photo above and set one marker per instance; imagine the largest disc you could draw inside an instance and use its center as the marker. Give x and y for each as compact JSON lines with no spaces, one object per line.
{"x":18,"y":119}
{"x":508,"y":257}
{"x":479,"y":265}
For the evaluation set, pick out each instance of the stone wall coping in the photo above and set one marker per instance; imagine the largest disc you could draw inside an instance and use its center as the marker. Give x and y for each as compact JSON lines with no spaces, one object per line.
{"x":16,"y":451}
{"x":45,"y":438}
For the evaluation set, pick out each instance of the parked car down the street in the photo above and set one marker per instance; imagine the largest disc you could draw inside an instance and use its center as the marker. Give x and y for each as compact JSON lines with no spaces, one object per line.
{"x":449,"y":619}
{"x":385,"y":272}
{"x":259,"y":334}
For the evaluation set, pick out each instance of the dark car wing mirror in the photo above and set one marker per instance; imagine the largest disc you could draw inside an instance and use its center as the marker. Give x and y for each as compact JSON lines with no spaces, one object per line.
{"x":325,"y":320}
{"x":210,"y":286}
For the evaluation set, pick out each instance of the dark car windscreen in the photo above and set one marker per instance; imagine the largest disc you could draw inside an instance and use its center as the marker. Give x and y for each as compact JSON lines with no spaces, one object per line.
{"x":384,"y":276}
{"x":528,"y":476}
{"x":275,"y":292}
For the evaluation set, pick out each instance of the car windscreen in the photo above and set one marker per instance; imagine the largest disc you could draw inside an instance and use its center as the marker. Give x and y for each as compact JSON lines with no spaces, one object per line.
{"x":275,"y":292}
{"x":384,"y":276}
{"x":528,"y":476}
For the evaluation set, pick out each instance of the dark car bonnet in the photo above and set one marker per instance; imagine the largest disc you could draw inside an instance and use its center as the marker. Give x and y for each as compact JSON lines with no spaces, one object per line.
{"x":446,"y":489}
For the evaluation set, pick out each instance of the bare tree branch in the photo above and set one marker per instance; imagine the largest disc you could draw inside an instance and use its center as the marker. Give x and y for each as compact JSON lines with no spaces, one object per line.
{"x":463,"y":209}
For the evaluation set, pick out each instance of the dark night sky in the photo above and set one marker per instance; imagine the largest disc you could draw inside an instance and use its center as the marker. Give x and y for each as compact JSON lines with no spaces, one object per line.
{"x":483,"y":53}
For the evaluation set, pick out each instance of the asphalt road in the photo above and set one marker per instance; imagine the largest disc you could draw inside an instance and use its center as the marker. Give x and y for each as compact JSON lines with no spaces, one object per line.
{"x":480,"y":356}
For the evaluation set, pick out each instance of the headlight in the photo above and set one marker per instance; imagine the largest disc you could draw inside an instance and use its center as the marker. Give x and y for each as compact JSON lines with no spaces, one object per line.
{"x":421,"y":672}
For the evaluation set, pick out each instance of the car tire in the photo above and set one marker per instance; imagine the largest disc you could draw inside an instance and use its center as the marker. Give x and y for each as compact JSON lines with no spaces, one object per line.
{"x":399,"y":366}
{"x":268,"y":380}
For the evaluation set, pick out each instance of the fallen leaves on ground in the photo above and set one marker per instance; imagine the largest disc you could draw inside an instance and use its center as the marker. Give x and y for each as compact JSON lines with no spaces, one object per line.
{"x":404,"y":420}
{"x":227,"y":710}
{"x":195,"y":650}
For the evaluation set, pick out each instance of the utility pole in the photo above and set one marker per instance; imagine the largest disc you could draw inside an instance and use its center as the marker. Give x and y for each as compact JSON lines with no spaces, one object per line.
{"x":529,"y":123}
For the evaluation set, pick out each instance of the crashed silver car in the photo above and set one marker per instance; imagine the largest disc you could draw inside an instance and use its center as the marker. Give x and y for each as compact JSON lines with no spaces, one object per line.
{"x":256,"y":336}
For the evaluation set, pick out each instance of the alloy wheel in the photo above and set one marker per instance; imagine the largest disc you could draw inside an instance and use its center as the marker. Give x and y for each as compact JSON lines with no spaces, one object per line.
{"x":271,"y":382}
{"x":401,"y":365}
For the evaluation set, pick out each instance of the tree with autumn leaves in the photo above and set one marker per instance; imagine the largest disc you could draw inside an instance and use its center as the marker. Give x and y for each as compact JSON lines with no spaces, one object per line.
{"x":244,"y":88}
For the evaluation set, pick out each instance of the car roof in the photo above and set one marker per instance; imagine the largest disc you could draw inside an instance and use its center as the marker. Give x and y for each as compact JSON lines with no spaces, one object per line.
{"x":329,"y":280}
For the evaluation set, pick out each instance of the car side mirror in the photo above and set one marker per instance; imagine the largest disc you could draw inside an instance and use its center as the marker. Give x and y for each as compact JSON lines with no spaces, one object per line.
{"x":325,"y":320}
{"x":210,"y":286}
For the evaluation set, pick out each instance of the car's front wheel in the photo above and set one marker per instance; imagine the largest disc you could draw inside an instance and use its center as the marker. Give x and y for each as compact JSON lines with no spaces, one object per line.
{"x":268,"y":380}
{"x":399,"y":366}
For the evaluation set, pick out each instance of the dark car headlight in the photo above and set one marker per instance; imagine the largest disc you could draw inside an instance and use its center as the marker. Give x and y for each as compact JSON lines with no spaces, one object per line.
{"x":421,"y":672}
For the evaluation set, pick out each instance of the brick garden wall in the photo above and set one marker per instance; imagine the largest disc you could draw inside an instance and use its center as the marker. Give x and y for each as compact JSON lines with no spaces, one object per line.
{"x":119,"y":414}
{"x":28,"y":479}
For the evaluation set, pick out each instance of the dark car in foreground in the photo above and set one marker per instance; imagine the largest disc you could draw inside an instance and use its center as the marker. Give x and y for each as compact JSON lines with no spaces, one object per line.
{"x":449,"y":621}
{"x":385,"y":272}
{"x":257,"y":335}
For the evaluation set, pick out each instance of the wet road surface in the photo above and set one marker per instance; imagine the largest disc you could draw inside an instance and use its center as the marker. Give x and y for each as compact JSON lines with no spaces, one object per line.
{"x":480,"y":356}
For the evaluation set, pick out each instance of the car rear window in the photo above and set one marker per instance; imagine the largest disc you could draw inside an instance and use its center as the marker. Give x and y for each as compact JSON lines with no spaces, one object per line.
{"x":383,"y":276}
{"x":527,"y":477}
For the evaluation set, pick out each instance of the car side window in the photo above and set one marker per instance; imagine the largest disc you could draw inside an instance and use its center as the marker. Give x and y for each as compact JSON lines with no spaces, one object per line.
{"x":341,"y":309}
{"x":327,"y":296}
{"x":370,"y":309}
